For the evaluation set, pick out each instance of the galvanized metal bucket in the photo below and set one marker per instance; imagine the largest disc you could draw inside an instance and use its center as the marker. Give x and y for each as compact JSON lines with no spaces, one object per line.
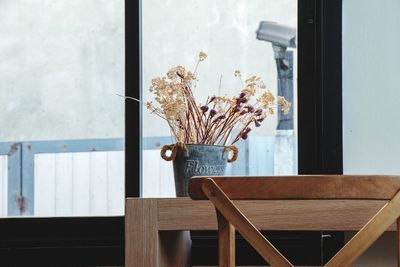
{"x":197,"y":160}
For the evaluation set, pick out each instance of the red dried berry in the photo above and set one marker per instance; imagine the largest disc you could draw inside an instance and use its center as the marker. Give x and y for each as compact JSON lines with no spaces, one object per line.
{"x":204,"y":108}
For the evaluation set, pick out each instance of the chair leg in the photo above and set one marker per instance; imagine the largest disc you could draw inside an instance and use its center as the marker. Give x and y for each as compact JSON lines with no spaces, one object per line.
{"x":231,"y":213}
{"x":398,"y":241}
{"x":368,"y":234}
{"x":226,"y":242}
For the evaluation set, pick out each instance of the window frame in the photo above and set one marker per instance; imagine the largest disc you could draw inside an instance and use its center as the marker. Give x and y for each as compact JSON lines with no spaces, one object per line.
{"x":100,"y":240}
{"x":320,"y":144}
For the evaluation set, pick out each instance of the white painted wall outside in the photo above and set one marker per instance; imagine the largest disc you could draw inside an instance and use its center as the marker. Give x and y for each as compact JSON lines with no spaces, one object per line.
{"x":371,"y":96}
{"x":79,"y":184}
{"x":3,"y":185}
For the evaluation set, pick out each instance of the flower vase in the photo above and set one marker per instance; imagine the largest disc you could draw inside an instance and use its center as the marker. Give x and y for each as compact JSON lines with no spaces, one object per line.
{"x":197,"y":160}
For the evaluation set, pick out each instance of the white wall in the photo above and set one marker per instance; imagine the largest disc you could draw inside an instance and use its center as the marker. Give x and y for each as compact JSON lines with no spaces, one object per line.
{"x":371,"y":86}
{"x":371,"y":97}
{"x":61,"y":63}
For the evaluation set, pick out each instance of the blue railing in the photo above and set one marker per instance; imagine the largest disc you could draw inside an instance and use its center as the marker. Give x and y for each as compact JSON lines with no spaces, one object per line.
{"x":21,"y":156}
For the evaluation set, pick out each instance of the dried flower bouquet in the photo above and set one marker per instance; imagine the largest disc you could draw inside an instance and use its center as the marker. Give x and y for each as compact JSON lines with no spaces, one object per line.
{"x":217,"y":120}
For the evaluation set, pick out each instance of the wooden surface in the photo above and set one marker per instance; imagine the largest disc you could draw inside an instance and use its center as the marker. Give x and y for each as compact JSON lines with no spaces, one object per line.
{"x":281,"y":215}
{"x":155,"y":228}
{"x":141,"y":233}
{"x":144,"y":245}
{"x":302,"y":187}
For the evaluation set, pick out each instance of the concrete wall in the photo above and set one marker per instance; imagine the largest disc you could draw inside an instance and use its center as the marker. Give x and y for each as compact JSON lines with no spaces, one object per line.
{"x":371,"y":93}
{"x":61,"y":64}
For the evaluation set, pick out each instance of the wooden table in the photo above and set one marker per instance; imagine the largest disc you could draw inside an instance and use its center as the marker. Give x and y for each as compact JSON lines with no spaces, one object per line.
{"x":156,"y":230}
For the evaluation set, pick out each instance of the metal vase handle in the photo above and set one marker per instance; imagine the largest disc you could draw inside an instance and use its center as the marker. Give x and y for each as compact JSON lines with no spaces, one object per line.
{"x":235,"y":153}
{"x":174,"y":149}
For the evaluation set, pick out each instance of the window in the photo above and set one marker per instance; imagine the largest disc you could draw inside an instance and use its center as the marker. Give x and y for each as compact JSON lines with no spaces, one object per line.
{"x":235,"y":35}
{"x":98,"y":241}
{"x":61,"y":147}
{"x":62,"y":139}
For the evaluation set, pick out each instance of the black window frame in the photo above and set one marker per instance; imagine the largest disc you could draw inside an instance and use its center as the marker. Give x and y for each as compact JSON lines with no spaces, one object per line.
{"x":91,"y":241}
{"x":320,"y":143}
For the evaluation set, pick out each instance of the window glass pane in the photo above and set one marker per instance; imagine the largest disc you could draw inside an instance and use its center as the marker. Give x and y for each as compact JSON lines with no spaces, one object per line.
{"x":174,"y":32}
{"x":61,"y":143}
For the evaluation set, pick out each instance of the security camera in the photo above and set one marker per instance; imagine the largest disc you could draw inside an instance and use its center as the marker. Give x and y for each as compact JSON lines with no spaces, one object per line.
{"x":277,"y":34}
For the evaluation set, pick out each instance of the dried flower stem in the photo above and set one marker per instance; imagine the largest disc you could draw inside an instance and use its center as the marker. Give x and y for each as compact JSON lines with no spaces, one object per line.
{"x":214,"y":122}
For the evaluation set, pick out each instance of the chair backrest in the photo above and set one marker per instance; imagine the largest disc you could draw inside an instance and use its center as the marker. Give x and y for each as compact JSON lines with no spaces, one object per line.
{"x":301,"y":187}
{"x":222,"y":190}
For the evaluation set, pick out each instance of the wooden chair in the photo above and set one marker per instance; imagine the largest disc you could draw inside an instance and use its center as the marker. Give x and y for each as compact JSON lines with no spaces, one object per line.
{"x":222,"y":190}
